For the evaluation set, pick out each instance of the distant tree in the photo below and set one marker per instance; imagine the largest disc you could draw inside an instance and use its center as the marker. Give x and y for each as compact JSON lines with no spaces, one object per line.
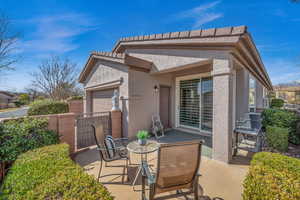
{"x":8,"y":40}
{"x":56,"y":77}
{"x":24,"y":99}
{"x":33,"y":92}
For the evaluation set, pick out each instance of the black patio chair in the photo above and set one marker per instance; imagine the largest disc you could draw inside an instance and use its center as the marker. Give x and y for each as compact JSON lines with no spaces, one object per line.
{"x":110,"y":149}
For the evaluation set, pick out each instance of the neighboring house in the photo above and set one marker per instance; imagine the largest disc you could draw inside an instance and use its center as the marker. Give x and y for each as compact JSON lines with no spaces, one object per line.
{"x":5,"y":99}
{"x":291,"y":94}
{"x":197,"y":81}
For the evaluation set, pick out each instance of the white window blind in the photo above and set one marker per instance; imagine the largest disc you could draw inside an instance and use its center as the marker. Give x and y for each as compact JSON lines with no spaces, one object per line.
{"x":196,"y":103}
{"x":206,"y":103}
{"x":189,"y":103}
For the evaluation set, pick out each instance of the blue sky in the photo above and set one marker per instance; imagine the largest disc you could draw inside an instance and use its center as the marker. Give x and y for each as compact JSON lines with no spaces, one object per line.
{"x":75,"y":28}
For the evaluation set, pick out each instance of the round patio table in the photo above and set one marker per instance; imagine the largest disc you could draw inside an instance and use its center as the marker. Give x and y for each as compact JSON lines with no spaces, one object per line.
{"x":142,"y":150}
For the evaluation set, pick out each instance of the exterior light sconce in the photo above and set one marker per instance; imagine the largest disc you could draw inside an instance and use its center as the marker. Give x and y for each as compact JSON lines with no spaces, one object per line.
{"x":155,"y":88}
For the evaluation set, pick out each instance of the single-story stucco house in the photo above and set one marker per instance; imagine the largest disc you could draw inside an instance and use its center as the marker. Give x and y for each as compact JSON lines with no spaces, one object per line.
{"x":200,"y":81}
{"x":5,"y":99}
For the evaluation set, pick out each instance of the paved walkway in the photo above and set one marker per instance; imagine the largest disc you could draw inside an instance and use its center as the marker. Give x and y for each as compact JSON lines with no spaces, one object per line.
{"x":217,"y":180}
{"x":15,"y":113}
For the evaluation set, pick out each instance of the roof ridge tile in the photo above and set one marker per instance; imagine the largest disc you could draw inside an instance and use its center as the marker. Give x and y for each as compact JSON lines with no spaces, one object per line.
{"x":211,"y":32}
{"x":108,"y":54}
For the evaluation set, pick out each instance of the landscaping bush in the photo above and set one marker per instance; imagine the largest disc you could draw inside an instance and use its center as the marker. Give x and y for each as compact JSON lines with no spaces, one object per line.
{"x":272,"y":176}
{"x":75,"y":98}
{"x":18,"y":136}
{"x":45,"y":107}
{"x":283,"y":119}
{"x":49,"y":173}
{"x":277,"y":103}
{"x":277,"y":138}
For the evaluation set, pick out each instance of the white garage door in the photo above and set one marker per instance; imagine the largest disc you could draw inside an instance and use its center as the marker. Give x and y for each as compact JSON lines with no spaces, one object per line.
{"x":101,"y":100}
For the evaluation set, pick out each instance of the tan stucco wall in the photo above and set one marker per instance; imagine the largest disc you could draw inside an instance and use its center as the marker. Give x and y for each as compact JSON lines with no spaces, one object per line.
{"x":242,"y":92}
{"x":143,"y":100}
{"x":259,"y":93}
{"x":105,"y":72}
{"x":164,"y":59}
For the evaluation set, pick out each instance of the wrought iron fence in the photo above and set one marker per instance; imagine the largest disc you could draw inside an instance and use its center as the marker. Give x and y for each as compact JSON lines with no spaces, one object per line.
{"x":84,"y":134}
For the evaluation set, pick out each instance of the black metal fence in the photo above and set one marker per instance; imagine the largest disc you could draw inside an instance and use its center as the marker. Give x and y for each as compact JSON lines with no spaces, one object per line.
{"x":84,"y":134}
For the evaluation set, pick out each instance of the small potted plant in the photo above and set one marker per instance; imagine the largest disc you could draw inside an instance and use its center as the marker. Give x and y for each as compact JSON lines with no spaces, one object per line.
{"x":142,"y":137}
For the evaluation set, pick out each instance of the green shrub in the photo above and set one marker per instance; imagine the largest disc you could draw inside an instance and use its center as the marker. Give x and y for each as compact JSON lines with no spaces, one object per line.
{"x":18,"y":136}
{"x":277,"y":103}
{"x":24,"y":99}
{"x":75,"y":98}
{"x":272,"y":176}
{"x":278,"y":138}
{"x":49,"y":173}
{"x":283,"y":119}
{"x":45,"y":107}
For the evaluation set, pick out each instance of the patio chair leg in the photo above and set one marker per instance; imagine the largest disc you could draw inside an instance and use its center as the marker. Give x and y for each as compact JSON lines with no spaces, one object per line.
{"x":127,"y":174}
{"x":100,"y":169}
{"x":196,"y":189}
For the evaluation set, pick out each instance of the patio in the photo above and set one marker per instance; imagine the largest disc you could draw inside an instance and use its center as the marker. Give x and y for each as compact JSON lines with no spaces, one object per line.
{"x":218,"y":179}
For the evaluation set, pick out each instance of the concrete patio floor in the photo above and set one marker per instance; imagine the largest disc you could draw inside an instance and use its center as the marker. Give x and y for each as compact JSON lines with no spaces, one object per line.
{"x":218,"y":179}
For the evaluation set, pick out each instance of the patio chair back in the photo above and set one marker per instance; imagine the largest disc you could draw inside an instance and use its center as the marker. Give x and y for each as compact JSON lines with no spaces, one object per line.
{"x":157,"y":127}
{"x":255,"y":120}
{"x":177,"y":166}
{"x":104,"y":143}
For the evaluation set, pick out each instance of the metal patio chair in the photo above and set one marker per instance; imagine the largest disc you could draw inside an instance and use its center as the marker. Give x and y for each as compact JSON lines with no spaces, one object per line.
{"x":157,"y":127}
{"x":248,"y":133}
{"x":110,"y":149}
{"x":176,"y":170}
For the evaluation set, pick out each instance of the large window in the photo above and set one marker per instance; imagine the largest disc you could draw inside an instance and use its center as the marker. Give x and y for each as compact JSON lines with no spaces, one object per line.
{"x":252,"y":95}
{"x":196,"y":103}
{"x":206,"y":103}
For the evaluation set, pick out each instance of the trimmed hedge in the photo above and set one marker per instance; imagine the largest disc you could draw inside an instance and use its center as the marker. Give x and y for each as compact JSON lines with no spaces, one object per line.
{"x":49,"y":173}
{"x":272,"y":176}
{"x":277,"y":103}
{"x":20,"y":135}
{"x":46,"y":107}
{"x":283,"y":119}
{"x":75,"y":98}
{"x":278,"y":138}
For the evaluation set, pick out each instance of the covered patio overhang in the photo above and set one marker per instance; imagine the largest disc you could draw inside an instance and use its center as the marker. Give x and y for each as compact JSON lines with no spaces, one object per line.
{"x":206,"y":64}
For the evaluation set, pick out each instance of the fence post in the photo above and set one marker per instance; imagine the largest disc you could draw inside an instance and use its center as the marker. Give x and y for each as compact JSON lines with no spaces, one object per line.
{"x":116,"y":116}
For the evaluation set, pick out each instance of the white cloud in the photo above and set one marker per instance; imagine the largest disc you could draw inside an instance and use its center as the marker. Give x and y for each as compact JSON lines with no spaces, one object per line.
{"x":274,"y":48}
{"x":201,"y":14}
{"x":283,"y":70}
{"x":206,"y":18}
{"x":55,"y":34}
{"x":279,"y":13}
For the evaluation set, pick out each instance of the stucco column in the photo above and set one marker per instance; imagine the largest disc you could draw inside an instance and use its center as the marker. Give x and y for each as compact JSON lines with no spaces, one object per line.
{"x":259,"y":95}
{"x":87,"y":102}
{"x":222,"y":110}
{"x":116,"y":123}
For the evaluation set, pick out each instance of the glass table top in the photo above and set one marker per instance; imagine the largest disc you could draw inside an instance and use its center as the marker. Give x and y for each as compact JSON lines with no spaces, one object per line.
{"x":150,"y":146}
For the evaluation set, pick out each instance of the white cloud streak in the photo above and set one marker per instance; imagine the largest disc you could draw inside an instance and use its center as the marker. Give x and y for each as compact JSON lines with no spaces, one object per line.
{"x":201,"y":14}
{"x":56,"y":34}
{"x":283,"y":70}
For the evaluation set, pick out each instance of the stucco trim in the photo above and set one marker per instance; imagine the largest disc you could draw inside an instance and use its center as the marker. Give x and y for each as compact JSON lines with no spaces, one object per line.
{"x":110,"y":84}
{"x":124,"y":59}
{"x":183,"y":67}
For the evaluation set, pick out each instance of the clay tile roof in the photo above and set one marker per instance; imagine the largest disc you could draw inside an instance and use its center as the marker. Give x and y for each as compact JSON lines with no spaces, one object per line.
{"x":212,"y":32}
{"x":108,"y":54}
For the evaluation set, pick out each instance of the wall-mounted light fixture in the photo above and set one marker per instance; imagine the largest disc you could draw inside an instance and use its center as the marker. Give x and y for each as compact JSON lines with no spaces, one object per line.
{"x":155,"y":88}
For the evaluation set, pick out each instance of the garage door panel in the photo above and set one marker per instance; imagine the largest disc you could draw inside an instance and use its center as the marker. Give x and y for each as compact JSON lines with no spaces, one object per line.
{"x":101,"y":101}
